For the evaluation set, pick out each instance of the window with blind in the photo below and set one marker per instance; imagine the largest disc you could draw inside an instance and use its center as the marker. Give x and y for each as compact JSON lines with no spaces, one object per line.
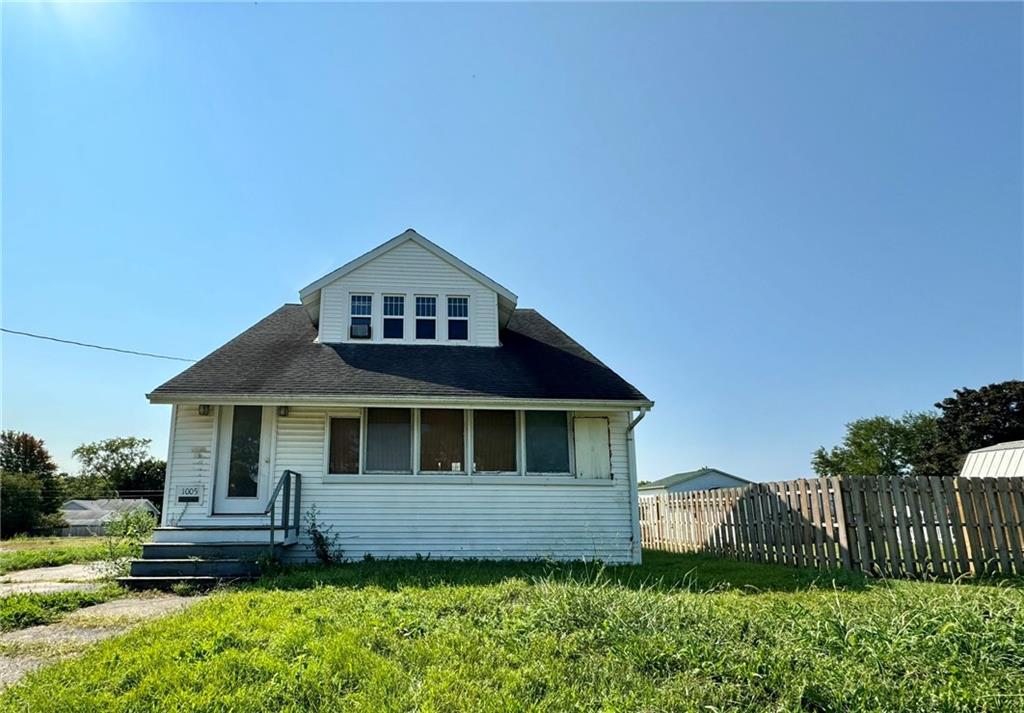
{"x":494,"y":442}
{"x":388,"y":440}
{"x":344,"y":446}
{"x":442,"y":441}
{"x":547,"y":442}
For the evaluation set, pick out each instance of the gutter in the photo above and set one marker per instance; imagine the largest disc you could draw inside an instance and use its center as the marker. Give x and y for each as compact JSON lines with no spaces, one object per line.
{"x":370,"y":400}
{"x":634,"y":495}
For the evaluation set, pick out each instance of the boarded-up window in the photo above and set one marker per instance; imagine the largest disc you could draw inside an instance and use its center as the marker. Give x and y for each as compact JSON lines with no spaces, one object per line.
{"x":442,"y":440}
{"x":494,"y":441}
{"x":547,"y":442}
{"x":388,"y":440}
{"x":593,"y":457}
{"x":344,"y":445}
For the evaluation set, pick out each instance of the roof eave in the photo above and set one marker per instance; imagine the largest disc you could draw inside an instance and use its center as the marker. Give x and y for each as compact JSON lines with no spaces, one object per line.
{"x":170,"y":397}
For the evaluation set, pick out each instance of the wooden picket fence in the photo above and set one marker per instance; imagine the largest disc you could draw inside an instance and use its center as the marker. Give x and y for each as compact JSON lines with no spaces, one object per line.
{"x":897,"y":527}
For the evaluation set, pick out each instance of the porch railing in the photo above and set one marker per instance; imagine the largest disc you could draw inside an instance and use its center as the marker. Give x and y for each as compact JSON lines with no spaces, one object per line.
{"x":284,"y":487}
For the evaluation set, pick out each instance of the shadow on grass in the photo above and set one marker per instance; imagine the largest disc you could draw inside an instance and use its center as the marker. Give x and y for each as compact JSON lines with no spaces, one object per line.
{"x":662,"y":571}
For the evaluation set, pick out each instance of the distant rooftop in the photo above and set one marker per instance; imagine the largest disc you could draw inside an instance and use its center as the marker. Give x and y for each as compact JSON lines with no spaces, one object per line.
{"x":1005,"y":446}
{"x":678,"y":478}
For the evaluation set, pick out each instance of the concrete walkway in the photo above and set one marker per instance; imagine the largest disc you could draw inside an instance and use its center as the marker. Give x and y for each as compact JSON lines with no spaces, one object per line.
{"x":26,"y":650}
{"x":66,"y":578}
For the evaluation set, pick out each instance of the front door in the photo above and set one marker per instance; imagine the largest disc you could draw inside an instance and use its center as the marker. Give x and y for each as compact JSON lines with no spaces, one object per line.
{"x":242,"y":479}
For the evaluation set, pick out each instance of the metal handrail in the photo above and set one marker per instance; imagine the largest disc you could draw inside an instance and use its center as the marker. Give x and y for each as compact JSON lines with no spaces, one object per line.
{"x":285,"y":483}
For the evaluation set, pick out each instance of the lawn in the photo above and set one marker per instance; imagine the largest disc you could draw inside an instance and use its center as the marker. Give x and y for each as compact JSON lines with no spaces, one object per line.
{"x":18,"y":611}
{"x":30,"y":552}
{"x":680,"y":633}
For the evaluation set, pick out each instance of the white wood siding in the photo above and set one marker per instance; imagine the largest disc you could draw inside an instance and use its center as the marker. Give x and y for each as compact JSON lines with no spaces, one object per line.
{"x":410,"y":270}
{"x":463,"y":519}
{"x":1003,"y":463}
{"x":190,"y":462}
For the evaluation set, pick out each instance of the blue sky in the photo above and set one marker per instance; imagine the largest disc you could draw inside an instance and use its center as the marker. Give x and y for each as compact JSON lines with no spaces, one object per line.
{"x":772,"y":219}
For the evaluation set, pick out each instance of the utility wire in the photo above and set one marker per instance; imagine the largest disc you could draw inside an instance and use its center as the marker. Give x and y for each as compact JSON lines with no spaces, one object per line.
{"x":95,"y":346}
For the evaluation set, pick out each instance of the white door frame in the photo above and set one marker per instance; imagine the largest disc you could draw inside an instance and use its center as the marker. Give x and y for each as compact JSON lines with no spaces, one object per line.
{"x":223,"y":504}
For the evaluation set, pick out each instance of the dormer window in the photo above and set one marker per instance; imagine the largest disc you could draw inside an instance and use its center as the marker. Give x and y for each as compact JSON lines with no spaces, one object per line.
{"x":362,"y":310}
{"x":394,"y":316}
{"x":458,"y":318}
{"x":426,"y":317}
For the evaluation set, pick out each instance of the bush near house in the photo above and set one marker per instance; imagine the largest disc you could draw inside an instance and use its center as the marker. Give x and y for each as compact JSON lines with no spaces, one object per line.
{"x":682,"y":632}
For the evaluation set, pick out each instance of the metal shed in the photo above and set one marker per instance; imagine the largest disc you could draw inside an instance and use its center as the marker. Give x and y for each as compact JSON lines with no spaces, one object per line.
{"x":1003,"y":460}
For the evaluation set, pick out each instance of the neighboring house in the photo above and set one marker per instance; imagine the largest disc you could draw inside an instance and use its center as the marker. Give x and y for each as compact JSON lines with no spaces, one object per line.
{"x":701,"y":479}
{"x":426,"y":413}
{"x":999,"y":461}
{"x":90,"y":517}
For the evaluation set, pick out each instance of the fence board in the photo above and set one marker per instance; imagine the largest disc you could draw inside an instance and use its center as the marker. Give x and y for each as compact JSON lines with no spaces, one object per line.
{"x":1010,"y":525}
{"x":883,"y":525}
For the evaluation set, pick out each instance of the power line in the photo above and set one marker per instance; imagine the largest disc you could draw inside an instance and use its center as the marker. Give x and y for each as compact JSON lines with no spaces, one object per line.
{"x":95,"y":346}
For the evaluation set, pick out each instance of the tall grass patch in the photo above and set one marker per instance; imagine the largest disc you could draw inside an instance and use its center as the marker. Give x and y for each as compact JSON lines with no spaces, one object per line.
{"x":679,"y":634}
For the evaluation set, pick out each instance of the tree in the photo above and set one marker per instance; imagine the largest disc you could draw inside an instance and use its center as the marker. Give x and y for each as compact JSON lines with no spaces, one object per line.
{"x":117,"y":465}
{"x":21,"y":507}
{"x":122,"y":461}
{"x":25,"y":454}
{"x":970,"y":419}
{"x":879,"y":446}
{"x":86,"y":487}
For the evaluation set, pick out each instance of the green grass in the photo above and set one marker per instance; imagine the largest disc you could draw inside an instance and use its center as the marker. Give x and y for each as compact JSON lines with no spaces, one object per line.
{"x":30,"y":552}
{"x":680,"y":633}
{"x":18,"y":611}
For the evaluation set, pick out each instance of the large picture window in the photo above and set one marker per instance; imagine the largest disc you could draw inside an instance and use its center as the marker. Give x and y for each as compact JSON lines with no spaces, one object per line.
{"x":344,"y":453}
{"x":388,"y":440}
{"x":547,"y":442}
{"x":442,"y":440}
{"x":494,"y":442}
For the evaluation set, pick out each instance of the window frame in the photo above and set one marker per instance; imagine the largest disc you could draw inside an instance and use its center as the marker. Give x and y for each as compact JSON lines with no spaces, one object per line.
{"x":353,"y":316}
{"x":469,"y":472}
{"x":384,"y":316}
{"x":448,"y":319}
{"x":569,"y":443}
{"x":471,"y":444}
{"x":344,"y":413}
{"x":414,"y":442}
{"x":416,"y":318}
{"x":466,"y":448}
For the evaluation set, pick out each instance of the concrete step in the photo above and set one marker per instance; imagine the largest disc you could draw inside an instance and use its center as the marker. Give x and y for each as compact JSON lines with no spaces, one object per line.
{"x":208,"y":550}
{"x":227,"y":568}
{"x":246,"y":534}
{"x":167,"y":583}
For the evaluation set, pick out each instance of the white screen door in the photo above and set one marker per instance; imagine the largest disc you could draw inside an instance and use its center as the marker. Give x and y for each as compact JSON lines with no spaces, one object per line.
{"x":593,"y":456}
{"x":243,"y":459}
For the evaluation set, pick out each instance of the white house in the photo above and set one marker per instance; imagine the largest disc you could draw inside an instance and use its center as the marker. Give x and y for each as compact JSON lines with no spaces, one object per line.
{"x":700,"y":479}
{"x":424,"y":412}
{"x":1002,"y":460}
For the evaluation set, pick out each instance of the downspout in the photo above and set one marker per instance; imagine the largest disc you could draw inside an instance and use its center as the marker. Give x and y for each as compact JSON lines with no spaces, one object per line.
{"x":634,"y":503}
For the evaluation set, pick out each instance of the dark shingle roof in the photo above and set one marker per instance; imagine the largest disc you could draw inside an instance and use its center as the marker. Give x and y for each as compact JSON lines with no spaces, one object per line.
{"x":278,"y":356}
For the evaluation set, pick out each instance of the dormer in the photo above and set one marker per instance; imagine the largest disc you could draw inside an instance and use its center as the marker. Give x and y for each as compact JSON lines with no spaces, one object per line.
{"x":408,"y":291}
